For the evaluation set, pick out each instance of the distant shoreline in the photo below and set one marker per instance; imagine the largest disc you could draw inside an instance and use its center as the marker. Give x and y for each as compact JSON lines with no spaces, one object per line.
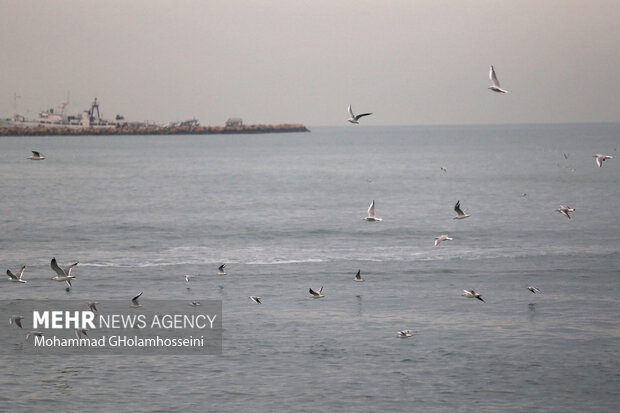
{"x":149,"y":130}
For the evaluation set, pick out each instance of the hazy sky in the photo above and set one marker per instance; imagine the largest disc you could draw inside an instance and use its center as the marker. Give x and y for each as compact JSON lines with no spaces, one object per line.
{"x":408,"y":62}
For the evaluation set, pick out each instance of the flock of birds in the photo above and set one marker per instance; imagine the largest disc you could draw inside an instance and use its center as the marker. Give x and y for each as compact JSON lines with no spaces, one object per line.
{"x":64,"y":274}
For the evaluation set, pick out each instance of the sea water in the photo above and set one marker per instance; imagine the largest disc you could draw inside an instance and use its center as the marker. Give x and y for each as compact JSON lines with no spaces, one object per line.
{"x":285,"y":213}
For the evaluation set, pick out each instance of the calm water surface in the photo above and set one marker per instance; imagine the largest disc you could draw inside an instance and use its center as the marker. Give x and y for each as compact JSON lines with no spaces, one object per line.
{"x":284,"y":212}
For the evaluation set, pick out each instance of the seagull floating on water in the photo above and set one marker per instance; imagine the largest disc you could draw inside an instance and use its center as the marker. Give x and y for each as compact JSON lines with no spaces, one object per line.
{"x":316,"y":294}
{"x":495,"y":83}
{"x":16,"y":277}
{"x":354,"y":118}
{"x":371,"y":213}
{"x":195,"y":303}
{"x":64,"y":274}
{"x":533,"y":289}
{"x":563,"y":209}
{"x":220,"y":270}
{"x":36,"y":156}
{"x":442,"y":238}
{"x":600,"y":158}
{"x":404,"y":334}
{"x":16,"y":319}
{"x":358,"y":276}
{"x":255,"y":299}
{"x":459,"y":213}
{"x":472,"y":294}
{"x":135,"y":302}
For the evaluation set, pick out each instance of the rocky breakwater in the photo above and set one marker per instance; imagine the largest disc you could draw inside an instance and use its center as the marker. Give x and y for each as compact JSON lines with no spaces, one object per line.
{"x":149,"y":130}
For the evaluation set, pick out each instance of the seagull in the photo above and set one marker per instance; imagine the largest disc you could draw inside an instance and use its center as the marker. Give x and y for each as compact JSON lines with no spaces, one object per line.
{"x":404,"y":333}
{"x":188,"y":277}
{"x":34,"y":333}
{"x":443,"y":169}
{"x":495,"y":86}
{"x":442,"y":238}
{"x":36,"y":156}
{"x":135,"y":300}
{"x":79,"y":332}
{"x":533,"y":289}
{"x":255,"y":299}
{"x":64,"y":274}
{"x":195,"y":303}
{"x":92,"y":305}
{"x":371,"y":213}
{"x":472,"y":294}
{"x":17,"y":320}
{"x":220,"y":270}
{"x":354,"y":118}
{"x":600,"y":158}
{"x":358,"y":277}
{"x":563,"y":209}
{"x":316,"y":294}
{"x":16,"y":277}
{"x":459,"y":213}
{"x":565,"y":156}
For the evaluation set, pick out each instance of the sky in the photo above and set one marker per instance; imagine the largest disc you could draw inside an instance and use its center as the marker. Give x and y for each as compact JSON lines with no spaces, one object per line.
{"x":416,"y":62}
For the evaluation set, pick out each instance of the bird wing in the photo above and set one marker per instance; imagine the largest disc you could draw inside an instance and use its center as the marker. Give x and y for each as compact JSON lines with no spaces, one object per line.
{"x":493,"y":77}
{"x":371,"y":210}
{"x":358,"y":275}
{"x":362,"y":115}
{"x":67,"y":269}
{"x":135,"y":299}
{"x":10,"y":274}
{"x":37,"y":154}
{"x":457,"y":208}
{"x":351,"y":112}
{"x":311,"y":291}
{"x":21,"y":272}
{"x":56,"y":268}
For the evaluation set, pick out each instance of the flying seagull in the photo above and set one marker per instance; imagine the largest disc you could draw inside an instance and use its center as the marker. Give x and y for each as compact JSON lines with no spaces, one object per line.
{"x":459,"y":213}
{"x":220,"y":270}
{"x":358,"y":276}
{"x":495,"y":83}
{"x":404,"y":333}
{"x":34,"y":333}
{"x":354,"y":118}
{"x":134,"y":300}
{"x":600,"y":158}
{"x":36,"y":156}
{"x":255,"y":299}
{"x":533,"y":289}
{"x":563,"y":209}
{"x":371,"y":213}
{"x":316,"y":294}
{"x":16,"y":277}
{"x":92,"y":305}
{"x":79,"y":332}
{"x":64,"y":274}
{"x":472,"y":294}
{"x":442,"y":238}
{"x":188,"y":277}
{"x":17,"y":320}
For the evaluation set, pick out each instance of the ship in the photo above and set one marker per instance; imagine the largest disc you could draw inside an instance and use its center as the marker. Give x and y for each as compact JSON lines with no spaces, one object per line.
{"x":90,"y":118}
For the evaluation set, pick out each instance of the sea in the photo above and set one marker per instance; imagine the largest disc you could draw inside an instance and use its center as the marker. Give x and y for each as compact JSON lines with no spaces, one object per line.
{"x":285,"y":213}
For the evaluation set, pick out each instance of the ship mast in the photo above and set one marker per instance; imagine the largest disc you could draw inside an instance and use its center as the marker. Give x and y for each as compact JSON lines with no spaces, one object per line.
{"x":15,"y":97}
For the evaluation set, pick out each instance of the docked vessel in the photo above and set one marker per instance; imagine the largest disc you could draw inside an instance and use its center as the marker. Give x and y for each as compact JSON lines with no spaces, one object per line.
{"x":89,"y":118}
